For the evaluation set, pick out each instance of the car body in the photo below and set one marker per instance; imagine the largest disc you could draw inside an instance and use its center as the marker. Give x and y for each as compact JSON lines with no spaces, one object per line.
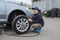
{"x":6,"y":8}
{"x":9,"y":10}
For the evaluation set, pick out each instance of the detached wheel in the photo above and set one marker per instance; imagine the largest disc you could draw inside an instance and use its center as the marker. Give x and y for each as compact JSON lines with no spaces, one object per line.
{"x":20,"y":24}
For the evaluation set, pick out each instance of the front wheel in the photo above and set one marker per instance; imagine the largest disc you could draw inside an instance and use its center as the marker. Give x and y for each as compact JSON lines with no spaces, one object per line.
{"x":20,"y":24}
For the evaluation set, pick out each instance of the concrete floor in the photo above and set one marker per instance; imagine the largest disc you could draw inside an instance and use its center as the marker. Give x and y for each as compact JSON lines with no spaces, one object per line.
{"x":51,"y":31}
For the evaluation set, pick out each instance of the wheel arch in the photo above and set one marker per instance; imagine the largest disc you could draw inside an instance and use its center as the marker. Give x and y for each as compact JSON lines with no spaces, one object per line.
{"x":17,"y":12}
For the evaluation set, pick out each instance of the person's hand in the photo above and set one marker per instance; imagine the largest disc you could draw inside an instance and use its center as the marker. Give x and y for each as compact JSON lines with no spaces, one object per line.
{"x":30,"y":20}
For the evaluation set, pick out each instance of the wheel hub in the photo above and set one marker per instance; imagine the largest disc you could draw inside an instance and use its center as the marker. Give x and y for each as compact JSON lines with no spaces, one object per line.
{"x":22,"y":24}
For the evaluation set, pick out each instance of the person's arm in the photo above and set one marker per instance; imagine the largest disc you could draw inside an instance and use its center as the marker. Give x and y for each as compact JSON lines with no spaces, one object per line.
{"x":37,"y":19}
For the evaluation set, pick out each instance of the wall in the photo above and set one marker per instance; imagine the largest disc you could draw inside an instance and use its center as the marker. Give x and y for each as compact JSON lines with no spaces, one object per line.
{"x":52,"y":4}
{"x":41,"y":5}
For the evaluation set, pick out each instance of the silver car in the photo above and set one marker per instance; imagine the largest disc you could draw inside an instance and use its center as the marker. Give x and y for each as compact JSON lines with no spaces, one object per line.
{"x":15,"y":15}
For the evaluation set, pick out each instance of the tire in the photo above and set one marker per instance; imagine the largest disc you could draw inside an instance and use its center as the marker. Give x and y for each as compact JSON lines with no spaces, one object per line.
{"x":54,"y":12}
{"x":48,"y":13}
{"x":20,"y":24}
{"x":58,"y":13}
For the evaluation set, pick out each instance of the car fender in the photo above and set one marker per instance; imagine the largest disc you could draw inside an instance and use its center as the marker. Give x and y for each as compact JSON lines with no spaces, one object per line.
{"x":11,"y":7}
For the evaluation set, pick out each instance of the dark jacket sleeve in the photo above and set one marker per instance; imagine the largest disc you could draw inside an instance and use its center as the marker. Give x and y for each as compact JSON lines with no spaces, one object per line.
{"x":36,"y":19}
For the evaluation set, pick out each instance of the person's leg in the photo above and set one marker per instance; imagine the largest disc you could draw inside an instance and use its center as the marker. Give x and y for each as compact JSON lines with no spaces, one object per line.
{"x":40,"y":28}
{"x":36,"y":27}
{"x":33,"y":30}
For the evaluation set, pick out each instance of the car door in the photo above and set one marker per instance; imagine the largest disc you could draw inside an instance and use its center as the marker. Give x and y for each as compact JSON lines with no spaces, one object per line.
{"x":2,"y":10}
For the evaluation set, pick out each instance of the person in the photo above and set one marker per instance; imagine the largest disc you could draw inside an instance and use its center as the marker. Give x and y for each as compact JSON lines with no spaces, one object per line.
{"x":37,"y":20}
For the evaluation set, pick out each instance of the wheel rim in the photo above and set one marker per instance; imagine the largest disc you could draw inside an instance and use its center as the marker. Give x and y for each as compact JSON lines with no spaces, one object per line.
{"x":22,"y":25}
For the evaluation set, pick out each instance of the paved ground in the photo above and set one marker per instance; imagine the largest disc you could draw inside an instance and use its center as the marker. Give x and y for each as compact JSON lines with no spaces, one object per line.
{"x":51,"y":31}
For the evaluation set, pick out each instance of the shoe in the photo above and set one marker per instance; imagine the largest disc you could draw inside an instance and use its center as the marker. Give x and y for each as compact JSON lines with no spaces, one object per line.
{"x":39,"y":30}
{"x":33,"y":30}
